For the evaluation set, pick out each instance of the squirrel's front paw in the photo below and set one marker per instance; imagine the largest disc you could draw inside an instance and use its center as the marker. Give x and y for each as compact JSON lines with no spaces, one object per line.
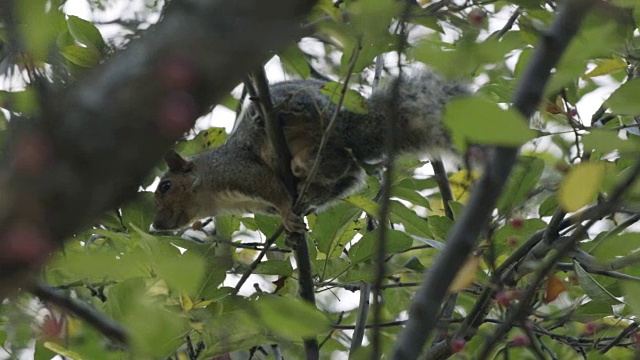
{"x":294,"y":223}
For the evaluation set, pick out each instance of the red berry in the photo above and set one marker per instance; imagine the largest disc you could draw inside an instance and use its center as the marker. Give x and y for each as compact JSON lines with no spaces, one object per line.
{"x":503,"y":298}
{"x":517,"y":222}
{"x":477,"y":17}
{"x":590,"y":328}
{"x":521,"y":340}
{"x":513,"y":241}
{"x":457,"y":344}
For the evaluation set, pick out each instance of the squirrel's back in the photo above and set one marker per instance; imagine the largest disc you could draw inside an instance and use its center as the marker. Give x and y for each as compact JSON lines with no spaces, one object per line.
{"x":414,"y":103}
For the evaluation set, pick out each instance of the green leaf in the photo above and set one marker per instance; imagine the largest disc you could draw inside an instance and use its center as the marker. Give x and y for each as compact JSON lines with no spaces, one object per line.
{"x":60,"y":350}
{"x":413,"y":223}
{"x":182,"y":272}
{"x":274,"y":267}
{"x":140,"y":211}
{"x":330,"y":225}
{"x":548,"y":206}
{"x":331,"y":268}
{"x":42,"y":352}
{"x":467,"y":57}
{"x":268,"y":224}
{"x":522,"y":233}
{"x":19,"y":101}
{"x":591,"y":42}
{"x":522,"y":181}
{"x":440,"y":226}
{"x":581,"y":185}
{"x":606,"y":67}
{"x":81,"y":56}
{"x":353,"y":100}
{"x":592,"y":288}
{"x":427,"y":21}
{"x":290,"y":318}
{"x":475,"y":120}
{"x":625,"y":99}
{"x":364,"y":249}
{"x":593,"y":310}
{"x":367,"y":205}
{"x":605,"y":141}
{"x":86,"y":34}
{"x":205,"y":140}
{"x":40,"y":23}
{"x":618,"y":245}
{"x":410,"y":195}
{"x":632,"y":295}
{"x":232,"y":331}
{"x":295,"y":61}
{"x":433,"y":243}
{"x":154,"y":330}
{"x":97,"y":266}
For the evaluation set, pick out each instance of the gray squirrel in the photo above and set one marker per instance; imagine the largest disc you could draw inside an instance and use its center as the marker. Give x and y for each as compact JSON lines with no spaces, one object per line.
{"x":239,"y":177}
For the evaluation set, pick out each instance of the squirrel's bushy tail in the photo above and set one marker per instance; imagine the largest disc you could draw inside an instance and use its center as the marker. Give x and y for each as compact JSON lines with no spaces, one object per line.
{"x":415,"y":104}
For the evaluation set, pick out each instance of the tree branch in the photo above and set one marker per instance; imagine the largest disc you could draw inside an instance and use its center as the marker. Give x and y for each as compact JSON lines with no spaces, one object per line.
{"x":120,"y":119}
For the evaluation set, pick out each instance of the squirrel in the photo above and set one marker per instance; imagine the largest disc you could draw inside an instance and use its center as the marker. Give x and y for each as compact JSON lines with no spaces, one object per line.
{"x":240,"y":177}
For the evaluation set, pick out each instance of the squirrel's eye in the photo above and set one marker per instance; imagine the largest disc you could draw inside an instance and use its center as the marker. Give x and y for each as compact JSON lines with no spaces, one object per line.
{"x":164,"y":186}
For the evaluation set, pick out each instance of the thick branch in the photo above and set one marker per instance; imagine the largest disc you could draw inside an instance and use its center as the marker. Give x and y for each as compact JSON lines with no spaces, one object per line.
{"x":88,"y":151}
{"x":423,"y":311}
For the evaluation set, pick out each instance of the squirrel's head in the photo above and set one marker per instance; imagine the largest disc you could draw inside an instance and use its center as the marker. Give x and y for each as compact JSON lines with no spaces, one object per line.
{"x":175,"y":202}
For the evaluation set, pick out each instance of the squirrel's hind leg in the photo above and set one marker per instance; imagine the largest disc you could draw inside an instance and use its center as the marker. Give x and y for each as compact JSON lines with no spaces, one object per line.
{"x":338,"y":175}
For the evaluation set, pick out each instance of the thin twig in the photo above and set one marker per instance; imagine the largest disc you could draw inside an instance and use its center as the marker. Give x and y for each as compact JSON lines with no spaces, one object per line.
{"x":509,"y":24}
{"x":104,"y":325}
{"x":361,"y":321}
{"x":391,"y":141}
{"x":258,"y":259}
{"x":629,"y":330}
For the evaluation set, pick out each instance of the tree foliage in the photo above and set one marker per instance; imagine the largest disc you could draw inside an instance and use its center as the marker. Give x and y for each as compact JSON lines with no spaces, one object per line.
{"x":554,"y":273}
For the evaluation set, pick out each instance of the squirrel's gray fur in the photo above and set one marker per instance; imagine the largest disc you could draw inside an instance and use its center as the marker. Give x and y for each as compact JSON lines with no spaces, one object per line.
{"x":239,"y":176}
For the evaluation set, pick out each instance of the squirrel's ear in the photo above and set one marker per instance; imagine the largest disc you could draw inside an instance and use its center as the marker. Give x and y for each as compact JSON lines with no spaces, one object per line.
{"x":176,"y":162}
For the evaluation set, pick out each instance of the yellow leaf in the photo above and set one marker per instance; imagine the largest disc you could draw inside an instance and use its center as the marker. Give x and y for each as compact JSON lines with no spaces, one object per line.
{"x":461,"y":183}
{"x":466,"y":276}
{"x":555,"y":286}
{"x":580,"y":186}
{"x":59,"y":349}
{"x":607,"y":67}
{"x":74,"y":326}
{"x":186,"y":302}
{"x":197,"y":326}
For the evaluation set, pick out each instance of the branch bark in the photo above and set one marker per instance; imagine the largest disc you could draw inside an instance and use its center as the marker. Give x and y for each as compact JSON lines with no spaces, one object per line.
{"x":462,"y":239}
{"x":91,"y":144}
